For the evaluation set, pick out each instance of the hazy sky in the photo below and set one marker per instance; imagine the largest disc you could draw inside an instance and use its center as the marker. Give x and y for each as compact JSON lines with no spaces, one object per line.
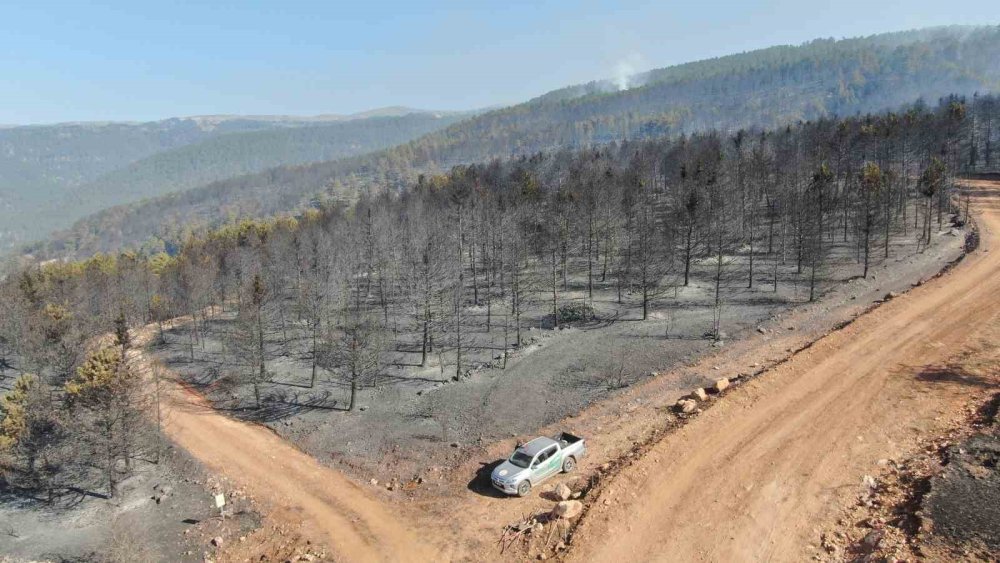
{"x":139,"y":60}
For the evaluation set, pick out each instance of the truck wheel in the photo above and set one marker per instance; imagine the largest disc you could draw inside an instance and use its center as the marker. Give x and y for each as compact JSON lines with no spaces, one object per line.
{"x":523,"y":488}
{"x":569,"y":464}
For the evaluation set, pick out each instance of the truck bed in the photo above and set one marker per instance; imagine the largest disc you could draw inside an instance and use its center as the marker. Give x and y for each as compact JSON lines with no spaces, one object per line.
{"x":570,"y":445}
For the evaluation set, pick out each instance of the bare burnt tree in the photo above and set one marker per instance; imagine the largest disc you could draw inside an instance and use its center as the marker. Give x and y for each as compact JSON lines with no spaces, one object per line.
{"x":817,"y":195}
{"x":247,"y":340}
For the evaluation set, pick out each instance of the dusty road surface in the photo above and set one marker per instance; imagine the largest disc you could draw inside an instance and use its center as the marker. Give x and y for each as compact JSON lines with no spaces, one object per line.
{"x":751,"y":478}
{"x":294,"y":490}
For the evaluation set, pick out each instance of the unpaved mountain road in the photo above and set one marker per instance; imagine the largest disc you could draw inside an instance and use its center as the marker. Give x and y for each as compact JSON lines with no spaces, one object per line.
{"x":296,"y":492}
{"x":752,"y":477}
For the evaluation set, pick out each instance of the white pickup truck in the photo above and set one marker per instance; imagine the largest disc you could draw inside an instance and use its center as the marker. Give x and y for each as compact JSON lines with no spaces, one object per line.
{"x":536,"y":461}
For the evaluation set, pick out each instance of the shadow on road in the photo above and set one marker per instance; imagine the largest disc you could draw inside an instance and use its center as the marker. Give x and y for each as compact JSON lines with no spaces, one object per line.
{"x":952,"y":374}
{"x":481,"y":483}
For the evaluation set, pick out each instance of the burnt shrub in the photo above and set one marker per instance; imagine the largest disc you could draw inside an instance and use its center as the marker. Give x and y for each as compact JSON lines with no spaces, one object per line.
{"x":575,"y":312}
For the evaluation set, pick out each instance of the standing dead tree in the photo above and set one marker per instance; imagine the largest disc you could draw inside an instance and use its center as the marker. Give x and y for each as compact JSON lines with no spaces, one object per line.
{"x":247,"y":341}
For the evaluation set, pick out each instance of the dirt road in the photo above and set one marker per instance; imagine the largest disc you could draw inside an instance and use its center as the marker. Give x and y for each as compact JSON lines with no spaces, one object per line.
{"x":293,"y":488}
{"x":749,"y":479}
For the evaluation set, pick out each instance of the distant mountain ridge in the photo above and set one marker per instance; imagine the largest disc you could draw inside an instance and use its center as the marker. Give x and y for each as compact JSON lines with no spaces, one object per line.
{"x":764,"y":88}
{"x":294,"y":119}
{"x":388,"y":111}
{"x":52,"y":175}
{"x":238,"y":154}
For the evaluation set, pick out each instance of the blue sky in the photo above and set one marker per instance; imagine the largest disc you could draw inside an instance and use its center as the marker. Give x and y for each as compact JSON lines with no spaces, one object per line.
{"x":69,"y":61}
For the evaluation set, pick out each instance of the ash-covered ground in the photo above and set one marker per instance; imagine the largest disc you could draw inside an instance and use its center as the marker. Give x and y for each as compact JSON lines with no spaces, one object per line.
{"x":414,"y":419}
{"x":165,"y":512}
{"x":964,"y":500}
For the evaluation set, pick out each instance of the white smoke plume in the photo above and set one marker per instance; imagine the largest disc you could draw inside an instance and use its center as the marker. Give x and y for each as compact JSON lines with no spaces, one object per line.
{"x":626,"y":70}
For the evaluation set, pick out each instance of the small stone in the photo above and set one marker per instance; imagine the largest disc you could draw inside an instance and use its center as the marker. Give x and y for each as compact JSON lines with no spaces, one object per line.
{"x":868,"y":482}
{"x":721,"y":385}
{"x":373,"y":482}
{"x":872,"y":540}
{"x":699,"y":394}
{"x":217,"y":541}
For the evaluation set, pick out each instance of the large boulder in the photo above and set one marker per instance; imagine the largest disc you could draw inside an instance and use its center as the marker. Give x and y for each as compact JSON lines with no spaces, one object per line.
{"x":568,"y":509}
{"x":563,"y":492}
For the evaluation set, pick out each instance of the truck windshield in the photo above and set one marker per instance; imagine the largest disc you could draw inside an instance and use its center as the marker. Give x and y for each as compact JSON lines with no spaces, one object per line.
{"x":520,"y":459}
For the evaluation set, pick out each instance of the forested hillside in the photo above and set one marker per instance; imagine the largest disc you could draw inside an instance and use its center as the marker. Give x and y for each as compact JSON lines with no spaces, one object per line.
{"x":765,"y":88}
{"x":239,"y":154}
{"x":41,"y":164}
{"x":477,"y":249}
{"x":52,"y":175}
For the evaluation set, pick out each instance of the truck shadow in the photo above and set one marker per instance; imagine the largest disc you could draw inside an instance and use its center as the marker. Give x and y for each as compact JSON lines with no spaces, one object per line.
{"x":482,"y":484}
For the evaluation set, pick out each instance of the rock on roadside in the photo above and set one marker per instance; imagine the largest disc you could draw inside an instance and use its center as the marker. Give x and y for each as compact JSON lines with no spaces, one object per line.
{"x":567,"y":509}
{"x":686,"y":405}
{"x":563,"y":492}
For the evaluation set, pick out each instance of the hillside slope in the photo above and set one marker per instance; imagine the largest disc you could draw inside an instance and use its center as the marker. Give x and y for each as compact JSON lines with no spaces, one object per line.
{"x":766,"y":88}
{"x":244,"y":153}
{"x":41,"y":163}
{"x":53,"y":175}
